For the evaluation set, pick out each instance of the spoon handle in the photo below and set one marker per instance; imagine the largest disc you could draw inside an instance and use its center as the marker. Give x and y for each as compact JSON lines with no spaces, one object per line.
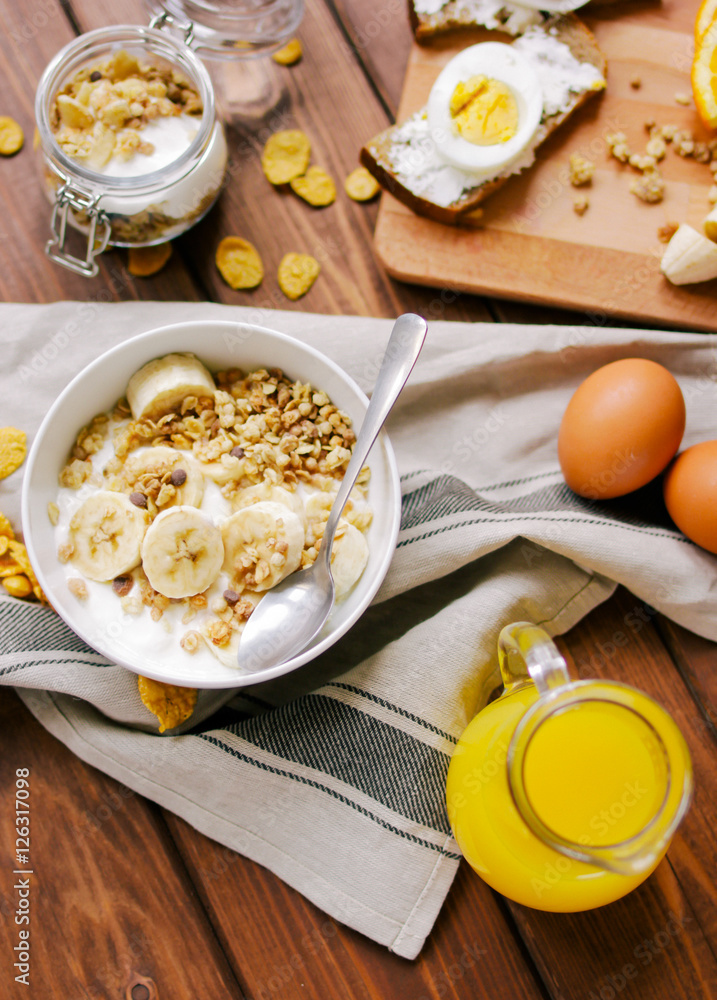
{"x":402,"y":350}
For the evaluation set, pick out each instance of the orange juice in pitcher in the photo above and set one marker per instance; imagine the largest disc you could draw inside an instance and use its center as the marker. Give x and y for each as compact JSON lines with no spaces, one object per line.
{"x":563,"y":795}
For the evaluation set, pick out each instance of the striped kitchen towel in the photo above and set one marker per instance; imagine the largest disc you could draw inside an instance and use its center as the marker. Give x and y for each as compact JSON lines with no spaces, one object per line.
{"x":333,"y":776}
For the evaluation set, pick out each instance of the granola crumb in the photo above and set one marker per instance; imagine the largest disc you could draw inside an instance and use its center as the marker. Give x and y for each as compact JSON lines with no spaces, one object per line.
{"x":712,"y":195}
{"x":666,"y":232}
{"x":581,"y":170}
{"x":656,"y":147}
{"x":53,"y":512}
{"x":642,"y":161}
{"x":617,"y":146}
{"x":78,"y":588}
{"x":682,"y":98}
{"x":581,"y":204}
{"x":190,"y":641}
{"x":650,"y":187}
{"x":635,"y":82}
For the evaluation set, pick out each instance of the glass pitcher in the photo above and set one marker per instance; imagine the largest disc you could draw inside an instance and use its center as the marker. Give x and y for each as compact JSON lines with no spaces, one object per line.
{"x":564,"y":795}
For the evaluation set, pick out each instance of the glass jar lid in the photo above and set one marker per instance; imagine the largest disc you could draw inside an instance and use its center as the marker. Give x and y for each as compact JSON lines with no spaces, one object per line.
{"x":230,"y":29}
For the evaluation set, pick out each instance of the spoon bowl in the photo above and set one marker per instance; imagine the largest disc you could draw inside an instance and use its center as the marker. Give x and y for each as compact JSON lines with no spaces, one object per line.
{"x":292,"y":613}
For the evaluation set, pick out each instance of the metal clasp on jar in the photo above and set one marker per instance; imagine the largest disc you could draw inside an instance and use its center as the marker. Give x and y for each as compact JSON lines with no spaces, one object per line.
{"x":169,"y":19}
{"x":98,"y":234}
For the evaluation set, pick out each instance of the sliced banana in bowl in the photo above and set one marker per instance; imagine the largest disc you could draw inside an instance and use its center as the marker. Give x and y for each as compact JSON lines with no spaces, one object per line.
{"x":262,"y":544}
{"x":182,"y":552}
{"x":106,"y":535}
{"x":168,"y":476}
{"x":160,"y":386}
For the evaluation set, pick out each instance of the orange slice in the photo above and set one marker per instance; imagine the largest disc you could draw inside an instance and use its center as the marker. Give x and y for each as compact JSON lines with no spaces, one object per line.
{"x":704,"y":76}
{"x":705,"y":16}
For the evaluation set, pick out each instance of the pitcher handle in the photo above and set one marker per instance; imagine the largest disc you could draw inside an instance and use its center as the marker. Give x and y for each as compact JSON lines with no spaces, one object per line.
{"x":527,"y":653}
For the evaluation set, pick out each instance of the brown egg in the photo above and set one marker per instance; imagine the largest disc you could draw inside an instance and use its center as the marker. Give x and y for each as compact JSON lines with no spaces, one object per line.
{"x":621,"y":428}
{"x":690,"y":490}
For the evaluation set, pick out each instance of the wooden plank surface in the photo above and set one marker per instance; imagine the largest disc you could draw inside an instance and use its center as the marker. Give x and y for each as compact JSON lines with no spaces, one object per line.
{"x":132,"y":903}
{"x":529,"y":244}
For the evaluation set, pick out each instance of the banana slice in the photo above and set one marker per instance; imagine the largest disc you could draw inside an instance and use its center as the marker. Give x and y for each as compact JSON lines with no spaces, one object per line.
{"x":267,"y":491}
{"x":262,"y":544}
{"x":182,"y":552}
{"x":227,"y":469}
{"x":149,"y":464}
{"x":689,"y":257}
{"x":106,"y":533}
{"x":349,"y":555}
{"x":160,"y":386}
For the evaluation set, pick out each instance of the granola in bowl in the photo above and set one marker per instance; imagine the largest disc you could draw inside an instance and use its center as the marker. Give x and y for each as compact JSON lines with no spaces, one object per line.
{"x":196,"y":494}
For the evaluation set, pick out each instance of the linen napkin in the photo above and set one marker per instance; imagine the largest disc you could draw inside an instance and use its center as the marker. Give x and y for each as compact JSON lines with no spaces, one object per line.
{"x":333,"y":776}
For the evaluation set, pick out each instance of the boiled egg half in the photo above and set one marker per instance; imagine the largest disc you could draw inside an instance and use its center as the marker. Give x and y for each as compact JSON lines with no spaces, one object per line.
{"x":485,"y":108}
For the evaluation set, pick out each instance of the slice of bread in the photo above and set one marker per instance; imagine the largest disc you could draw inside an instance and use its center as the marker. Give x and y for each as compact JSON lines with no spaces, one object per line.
{"x":376,"y":155}
{"x":455,"y":15}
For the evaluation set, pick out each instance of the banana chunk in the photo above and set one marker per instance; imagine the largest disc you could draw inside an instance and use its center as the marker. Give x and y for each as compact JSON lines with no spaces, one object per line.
{"x":160,"y":386}
{"x":267,"y":491}
{"x":182,"y":552}
{"x":262,"y":544}
{"x":106,"y":534}
{"x":689,"y":257}
{"x":349,"y":555}
{"x":147,"y":470}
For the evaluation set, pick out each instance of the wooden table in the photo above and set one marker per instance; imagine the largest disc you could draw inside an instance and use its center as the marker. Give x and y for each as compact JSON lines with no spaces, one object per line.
{"x":132,"y":902}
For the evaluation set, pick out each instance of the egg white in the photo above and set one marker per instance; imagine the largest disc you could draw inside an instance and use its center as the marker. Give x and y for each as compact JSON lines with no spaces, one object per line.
{"x":499,"y":61}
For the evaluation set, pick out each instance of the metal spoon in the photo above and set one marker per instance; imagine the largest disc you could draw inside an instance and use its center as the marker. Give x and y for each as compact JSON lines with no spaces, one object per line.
{"x":293,"y":612}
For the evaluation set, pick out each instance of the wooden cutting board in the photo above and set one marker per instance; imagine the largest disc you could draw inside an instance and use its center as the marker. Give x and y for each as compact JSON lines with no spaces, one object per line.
{"x":530,"y":244}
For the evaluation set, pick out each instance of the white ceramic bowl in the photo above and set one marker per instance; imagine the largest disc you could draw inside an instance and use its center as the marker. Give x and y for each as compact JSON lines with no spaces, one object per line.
{"x":219,"y":345}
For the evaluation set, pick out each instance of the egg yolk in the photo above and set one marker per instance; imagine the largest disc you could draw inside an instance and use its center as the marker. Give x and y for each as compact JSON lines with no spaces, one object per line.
{"x":484,"y":111}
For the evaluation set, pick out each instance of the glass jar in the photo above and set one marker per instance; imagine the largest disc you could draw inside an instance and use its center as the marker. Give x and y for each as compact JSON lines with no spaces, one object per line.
{"x":234,"y":39}
{"x":116,"y":208}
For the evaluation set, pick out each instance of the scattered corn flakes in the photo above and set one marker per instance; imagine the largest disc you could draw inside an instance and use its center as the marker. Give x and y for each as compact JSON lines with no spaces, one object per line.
{"x":315,"y":186}
{"x":11,"y":136}
{"x":145,"y":261}
{"x":290,"y":54}
{"x":13,"y":448}
{"x":361,"y":185}
{"x":239,"y":263}
{"x":17,"y":585}
{"x":171,"y":704}
{"x":16,"y":572}
{"x":297,"y":273}
{"x":285,"y":156}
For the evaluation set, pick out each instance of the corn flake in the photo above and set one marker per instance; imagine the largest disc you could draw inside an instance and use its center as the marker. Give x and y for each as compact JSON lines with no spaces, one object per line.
{"x":145,"y":261}
{"x":11,"y":136}
{"x":361,"y":185}
{"x":297,"y":273}
{"x":239,"y":263}
{"x":16,"y":572}
{"x":13,"y":448}
{"x":171,"y":704}
{"x":316,"y":187}
{"x":285,"y":156}
{"x":290,"y":54}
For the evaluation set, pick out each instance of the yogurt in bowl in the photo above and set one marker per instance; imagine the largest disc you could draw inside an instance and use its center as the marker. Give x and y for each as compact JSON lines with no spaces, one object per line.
{"x":191,"y":639}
